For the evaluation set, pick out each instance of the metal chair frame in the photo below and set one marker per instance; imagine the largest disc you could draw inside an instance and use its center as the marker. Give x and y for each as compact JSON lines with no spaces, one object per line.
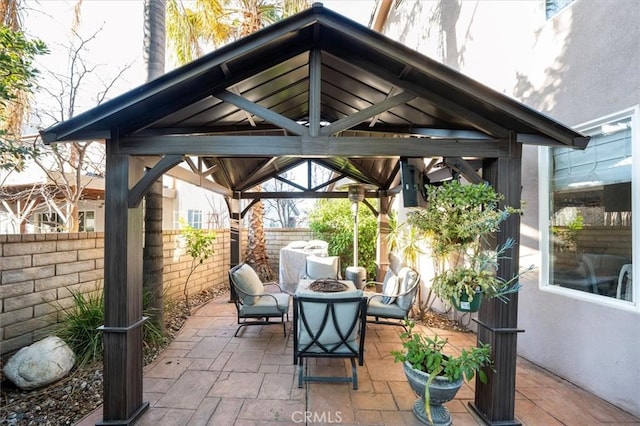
{"x":401,"y":319}
{"x":341,"y":349}
{"x":245,"y":320}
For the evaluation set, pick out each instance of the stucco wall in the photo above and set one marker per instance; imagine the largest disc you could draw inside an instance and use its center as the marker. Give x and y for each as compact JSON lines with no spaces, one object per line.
{"x":593,"y":344}
{"x":577,"y":67}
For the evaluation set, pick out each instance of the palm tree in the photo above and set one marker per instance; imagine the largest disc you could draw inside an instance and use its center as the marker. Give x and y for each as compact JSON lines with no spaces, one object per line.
{"x":211,"y":23}
{"x":190,"y":30}
{"x":17,"y":79}
{"x":154,"y":49}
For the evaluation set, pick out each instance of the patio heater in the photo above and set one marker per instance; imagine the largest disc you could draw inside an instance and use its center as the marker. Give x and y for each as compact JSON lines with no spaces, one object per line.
{"x":355,"y":193}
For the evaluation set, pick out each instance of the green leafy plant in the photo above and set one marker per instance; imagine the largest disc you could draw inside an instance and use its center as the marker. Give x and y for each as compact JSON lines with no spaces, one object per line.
{"x":425,"y":354}
{"x":458,"y":217}
{"x":80,"y":327}
{"x":332,"y":221}
{"x":17,"y":75}
{"x":565,"y":240}
{"x":199,"y":245}
{"x":479,"y":275}
{"x":457,"y":223}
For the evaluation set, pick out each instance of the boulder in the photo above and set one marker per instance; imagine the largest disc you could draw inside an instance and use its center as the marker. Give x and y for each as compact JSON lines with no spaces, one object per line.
{"x":44,"y":362}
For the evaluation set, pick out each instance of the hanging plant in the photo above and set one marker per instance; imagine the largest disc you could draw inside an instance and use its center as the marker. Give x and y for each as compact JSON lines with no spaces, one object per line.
{"x":457,"y":222}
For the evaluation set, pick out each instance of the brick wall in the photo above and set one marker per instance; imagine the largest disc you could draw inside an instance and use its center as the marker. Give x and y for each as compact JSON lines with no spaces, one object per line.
{"x":37,"y":272}
{"x":280,"y":237}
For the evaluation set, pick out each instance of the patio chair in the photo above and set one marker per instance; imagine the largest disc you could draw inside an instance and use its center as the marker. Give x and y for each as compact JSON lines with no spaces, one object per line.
{"x":329,"y":325}
{"x":254,"y":306}
{"x":625,"y":286}
{"x":396,"y":299}
{"x":319,"y":267}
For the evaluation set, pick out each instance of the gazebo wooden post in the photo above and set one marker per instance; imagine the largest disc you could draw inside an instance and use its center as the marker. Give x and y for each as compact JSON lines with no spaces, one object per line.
{"x":235,"y":215}
{"x":498,"y":321}
{"x":123,"y":321}
{"x":382,"y":251}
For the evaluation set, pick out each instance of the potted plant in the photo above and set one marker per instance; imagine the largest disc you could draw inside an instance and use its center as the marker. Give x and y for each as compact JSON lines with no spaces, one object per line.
{"x":457,"y":222}
{"x":436,"y":377}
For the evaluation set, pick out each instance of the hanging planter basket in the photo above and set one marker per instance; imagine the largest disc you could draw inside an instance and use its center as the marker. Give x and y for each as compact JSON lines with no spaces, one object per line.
{"x":466,"y":305}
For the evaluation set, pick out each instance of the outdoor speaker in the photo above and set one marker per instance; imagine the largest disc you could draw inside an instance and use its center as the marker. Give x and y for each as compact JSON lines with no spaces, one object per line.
{"x":410,"y":178}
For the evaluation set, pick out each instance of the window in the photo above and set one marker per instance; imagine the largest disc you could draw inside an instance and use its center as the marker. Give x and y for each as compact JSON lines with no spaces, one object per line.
{"x":590,"y":214}
{"x":49,"y":222}
{"x":87,"y":221}
{"x":194,"y":217}
{"x":553,"y":7}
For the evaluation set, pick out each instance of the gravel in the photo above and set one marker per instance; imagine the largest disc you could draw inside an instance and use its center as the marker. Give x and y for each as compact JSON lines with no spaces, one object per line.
{"x":72,"y":398}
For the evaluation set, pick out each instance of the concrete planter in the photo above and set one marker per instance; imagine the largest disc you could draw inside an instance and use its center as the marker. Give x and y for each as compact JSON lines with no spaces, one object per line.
{"x":441,"y":390}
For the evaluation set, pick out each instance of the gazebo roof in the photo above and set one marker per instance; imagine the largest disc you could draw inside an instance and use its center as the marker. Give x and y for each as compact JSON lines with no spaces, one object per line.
{"x":315,"y":87}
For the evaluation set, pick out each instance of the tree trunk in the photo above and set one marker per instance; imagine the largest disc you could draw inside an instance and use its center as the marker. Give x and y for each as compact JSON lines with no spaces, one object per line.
{"x":256,"y":247}
{"x":154,"y":41}
{"x":152,"y":263}
{"x":154,"y":37}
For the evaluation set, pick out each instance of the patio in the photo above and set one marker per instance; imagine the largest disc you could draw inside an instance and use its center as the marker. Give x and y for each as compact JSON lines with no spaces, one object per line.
{"x":206,"y":376}
{"x":314,"y":89}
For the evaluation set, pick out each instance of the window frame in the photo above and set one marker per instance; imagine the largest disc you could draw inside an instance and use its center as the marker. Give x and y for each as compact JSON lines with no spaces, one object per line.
{"x":191,"y":213}
{"x":544,"y":167}
{"x":84,"y":225}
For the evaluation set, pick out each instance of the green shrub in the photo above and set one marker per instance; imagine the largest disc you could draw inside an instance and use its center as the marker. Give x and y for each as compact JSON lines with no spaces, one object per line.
{"x":199,"y":245}
{"x":331,"y":220}
{"x":80,"y":327}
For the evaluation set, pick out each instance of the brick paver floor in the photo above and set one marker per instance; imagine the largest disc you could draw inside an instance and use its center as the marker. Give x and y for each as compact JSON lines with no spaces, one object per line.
{"x":208,"y":377}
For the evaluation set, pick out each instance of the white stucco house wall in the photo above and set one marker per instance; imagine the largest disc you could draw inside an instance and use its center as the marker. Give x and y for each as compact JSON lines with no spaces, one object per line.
{"x":580,"y":67}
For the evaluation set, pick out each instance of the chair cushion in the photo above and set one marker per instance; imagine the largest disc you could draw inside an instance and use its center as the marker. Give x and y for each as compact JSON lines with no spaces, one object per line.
{"x":395,"y":263}
{"x":267,"y":305}
{"x":319,"y":267}
{"x":249,"y":284}
{"x":330,"y":337}
{"x":407,"y":277}
{"x":376,"y":308}
{"x":390,"y":289}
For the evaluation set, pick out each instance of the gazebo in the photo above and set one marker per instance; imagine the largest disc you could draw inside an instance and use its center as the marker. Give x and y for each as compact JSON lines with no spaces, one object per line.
{"x":316,"y":87}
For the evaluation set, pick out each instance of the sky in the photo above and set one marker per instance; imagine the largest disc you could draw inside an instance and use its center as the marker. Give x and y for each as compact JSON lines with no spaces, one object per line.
{"x":113,"y":31}
{"x":358,"y":10}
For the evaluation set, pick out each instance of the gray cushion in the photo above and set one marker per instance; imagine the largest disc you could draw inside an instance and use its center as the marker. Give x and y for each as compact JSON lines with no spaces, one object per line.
{"x":408,"y":278}
{"x":395,"y":263}
{"x":248,"y":284}
{"x":376,"y":308}
{"x":390,"y":288}
{"x":314,"y":313}
{"x":319,"y":267}
{"x":267,"y":304}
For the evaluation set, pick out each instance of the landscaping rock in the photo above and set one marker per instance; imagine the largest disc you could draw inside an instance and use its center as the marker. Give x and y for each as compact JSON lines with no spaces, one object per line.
{"x":40,"y":364}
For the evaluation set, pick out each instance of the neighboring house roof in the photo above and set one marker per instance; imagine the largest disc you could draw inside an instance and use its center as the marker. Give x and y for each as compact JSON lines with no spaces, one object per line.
{"x":316,"y":86}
